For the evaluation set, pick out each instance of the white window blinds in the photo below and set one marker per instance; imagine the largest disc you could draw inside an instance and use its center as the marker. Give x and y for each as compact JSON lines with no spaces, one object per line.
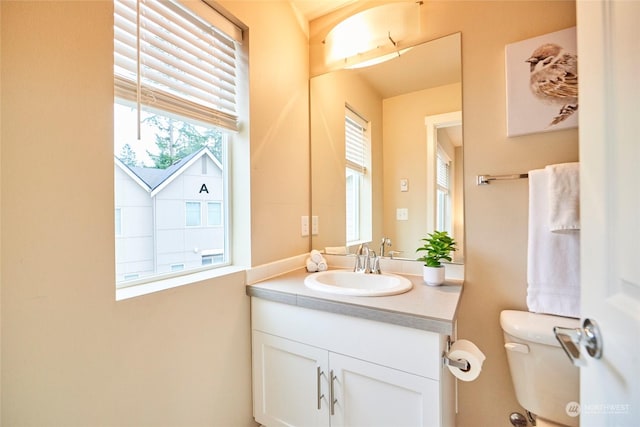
{"x":355,"y":141}
{"x":443,"y":171}
{"x":168,"y":58}
{"x":443,"y":191}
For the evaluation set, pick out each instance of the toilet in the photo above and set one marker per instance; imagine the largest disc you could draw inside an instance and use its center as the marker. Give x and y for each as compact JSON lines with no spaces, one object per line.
{"x":545,"y":380}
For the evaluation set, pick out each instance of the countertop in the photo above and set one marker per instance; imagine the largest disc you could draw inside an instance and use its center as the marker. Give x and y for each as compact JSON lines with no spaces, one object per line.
{"x":430,"y":308}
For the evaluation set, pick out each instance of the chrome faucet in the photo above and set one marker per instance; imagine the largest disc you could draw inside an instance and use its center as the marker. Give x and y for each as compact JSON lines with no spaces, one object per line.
{"x":385,"y":242}
{"x":374,"y":263}
{"x":362,"y":259}
{"x":366,"y":260}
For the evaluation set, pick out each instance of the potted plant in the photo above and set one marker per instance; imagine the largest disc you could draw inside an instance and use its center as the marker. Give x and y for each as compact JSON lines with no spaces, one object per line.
{"x":438,"y":246}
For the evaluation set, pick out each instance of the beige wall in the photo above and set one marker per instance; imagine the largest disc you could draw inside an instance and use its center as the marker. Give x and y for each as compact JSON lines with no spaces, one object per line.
{"x":0,"y":222}
{"x":330,"y":92}
{"x":71,"y":354}
{"x":496,"y":215}
{"x":279,"y":131}
{"x":405,"y":156}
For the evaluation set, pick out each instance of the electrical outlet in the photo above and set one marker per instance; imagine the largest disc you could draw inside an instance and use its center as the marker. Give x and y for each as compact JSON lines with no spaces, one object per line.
{"x":315,"y":225}
{"x":304,"y":225}
{"x":402,"y":214}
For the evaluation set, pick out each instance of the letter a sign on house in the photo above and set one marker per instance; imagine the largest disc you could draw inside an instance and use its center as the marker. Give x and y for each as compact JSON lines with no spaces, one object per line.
{"x":204,"y":188}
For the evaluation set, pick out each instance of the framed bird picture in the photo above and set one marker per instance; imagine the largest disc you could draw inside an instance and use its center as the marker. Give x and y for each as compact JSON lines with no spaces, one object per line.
{"x":542,"y":83}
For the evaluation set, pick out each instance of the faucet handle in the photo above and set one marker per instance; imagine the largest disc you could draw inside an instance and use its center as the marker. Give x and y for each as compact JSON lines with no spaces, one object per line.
{"x":374,"y":263}
{"x":385,"y":242}
{"x":362,"y":259}
{"x":392,"y":253}
{"x":358,"y":264}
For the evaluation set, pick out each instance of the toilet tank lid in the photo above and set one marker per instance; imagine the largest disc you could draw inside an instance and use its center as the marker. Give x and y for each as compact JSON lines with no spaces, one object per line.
{"x":534,"y":327}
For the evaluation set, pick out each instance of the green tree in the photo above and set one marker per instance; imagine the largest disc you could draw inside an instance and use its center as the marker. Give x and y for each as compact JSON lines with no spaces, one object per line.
{"x":177,"y":139}
{"x":128,"y":156}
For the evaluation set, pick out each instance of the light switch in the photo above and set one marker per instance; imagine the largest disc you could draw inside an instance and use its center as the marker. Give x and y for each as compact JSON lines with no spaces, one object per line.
{"x":404,"y":184}
{"x":315,"y":225}
{"x":402,"y":214}
{"x":304,"y":225}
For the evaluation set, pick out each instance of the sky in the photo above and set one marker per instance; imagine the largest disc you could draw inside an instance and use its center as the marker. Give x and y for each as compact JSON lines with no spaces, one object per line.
{"x":125,"y":132}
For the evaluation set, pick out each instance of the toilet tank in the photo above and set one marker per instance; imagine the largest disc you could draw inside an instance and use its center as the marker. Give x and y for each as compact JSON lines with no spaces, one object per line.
{"x":544,"y":379}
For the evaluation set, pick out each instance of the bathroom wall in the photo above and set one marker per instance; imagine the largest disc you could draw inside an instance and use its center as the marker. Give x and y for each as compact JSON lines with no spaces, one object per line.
{"x":71,"y":354}
{"x":279,"y":111}
{"x":496,"y":215}
{"x":330,"y":92}
{"x":0,"y":226}
{"x":405,"y":156}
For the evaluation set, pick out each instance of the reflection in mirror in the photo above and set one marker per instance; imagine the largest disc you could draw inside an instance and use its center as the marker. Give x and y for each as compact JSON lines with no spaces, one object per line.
{"x":381,"y":137}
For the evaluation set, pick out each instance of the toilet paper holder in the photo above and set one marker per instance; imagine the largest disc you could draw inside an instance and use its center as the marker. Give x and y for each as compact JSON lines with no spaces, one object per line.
{"x":461,"y":364}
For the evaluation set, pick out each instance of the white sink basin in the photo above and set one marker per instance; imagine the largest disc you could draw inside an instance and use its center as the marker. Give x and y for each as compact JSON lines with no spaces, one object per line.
{"x":344,"y":282}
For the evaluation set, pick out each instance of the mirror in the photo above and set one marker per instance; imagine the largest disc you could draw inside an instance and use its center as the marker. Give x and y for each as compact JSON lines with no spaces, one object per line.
{"x":410,"y":108}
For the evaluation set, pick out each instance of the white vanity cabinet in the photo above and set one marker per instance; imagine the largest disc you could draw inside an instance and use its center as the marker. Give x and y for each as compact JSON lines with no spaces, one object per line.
{"x":289,"y":379}
{"x":315,"y":368}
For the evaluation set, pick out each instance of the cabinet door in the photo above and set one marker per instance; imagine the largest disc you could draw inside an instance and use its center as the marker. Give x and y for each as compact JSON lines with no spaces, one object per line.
{"x":371,"y":395}
{"x":290,"y":386}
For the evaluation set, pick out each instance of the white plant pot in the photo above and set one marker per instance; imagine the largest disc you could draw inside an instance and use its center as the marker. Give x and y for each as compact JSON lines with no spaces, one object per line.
{"x":433,"y":276}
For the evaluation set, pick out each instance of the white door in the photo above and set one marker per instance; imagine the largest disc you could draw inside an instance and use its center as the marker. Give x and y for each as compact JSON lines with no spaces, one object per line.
{"x":290,"y":386}
{"x":371,"y":395}
{"x":609,"y":67}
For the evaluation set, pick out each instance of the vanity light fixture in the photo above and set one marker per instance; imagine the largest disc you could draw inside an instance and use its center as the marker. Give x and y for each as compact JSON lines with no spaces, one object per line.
{"x":374,"y":35}
{"x":377,"y":60}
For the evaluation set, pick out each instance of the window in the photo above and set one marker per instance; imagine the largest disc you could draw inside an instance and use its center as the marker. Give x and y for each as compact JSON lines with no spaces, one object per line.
{"x":174,"y":116}
{"x":214,"y":214}
{"x":177,"y":267}
{"x":193,"y":214}
{"x":353,"y":205}
{"x":211,"y":259}
{"x":358,"y":177}
{"x":443,"y":191}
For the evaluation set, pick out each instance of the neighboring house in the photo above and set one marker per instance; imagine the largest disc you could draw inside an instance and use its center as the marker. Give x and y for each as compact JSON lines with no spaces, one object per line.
{"x":169,"y":219}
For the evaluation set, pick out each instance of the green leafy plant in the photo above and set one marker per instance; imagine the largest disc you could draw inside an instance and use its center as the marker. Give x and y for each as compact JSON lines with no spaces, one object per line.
{"x":438,"y":246}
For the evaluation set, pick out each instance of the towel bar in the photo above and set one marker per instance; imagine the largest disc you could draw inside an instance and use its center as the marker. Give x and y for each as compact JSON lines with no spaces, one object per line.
{"x":486,"y":179}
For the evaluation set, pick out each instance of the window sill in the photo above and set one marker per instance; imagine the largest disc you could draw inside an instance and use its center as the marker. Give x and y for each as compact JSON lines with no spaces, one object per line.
{"x":174,"y":282}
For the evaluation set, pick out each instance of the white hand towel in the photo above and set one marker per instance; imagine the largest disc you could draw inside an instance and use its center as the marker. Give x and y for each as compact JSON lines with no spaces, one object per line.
{"x":322,"y":265}
{"x":316,"y":256}
{"x":564,"y":196}
{"x":553,"y":271}
{"x":312,"y":267}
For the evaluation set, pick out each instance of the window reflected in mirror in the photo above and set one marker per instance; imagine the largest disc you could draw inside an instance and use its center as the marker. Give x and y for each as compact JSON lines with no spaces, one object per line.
{"x":394,"y":193}
{"x":358,"y":177}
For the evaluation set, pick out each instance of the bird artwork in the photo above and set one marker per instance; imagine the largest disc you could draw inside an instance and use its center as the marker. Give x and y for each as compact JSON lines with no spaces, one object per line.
{"x":554,"y":79}
{"x":542,"y":83}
